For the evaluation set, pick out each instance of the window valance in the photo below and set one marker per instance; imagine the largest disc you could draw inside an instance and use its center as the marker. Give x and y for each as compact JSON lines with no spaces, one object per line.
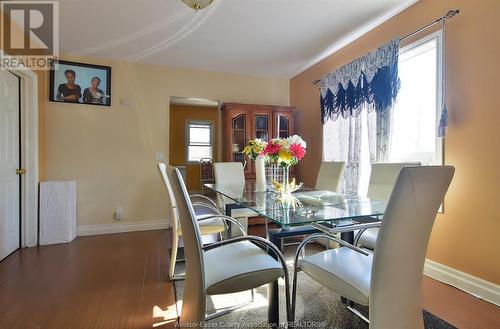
{"x":370,"y":82}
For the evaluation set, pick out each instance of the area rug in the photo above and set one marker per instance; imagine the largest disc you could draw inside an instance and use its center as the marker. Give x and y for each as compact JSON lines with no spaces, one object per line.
{"x":317,"y":306}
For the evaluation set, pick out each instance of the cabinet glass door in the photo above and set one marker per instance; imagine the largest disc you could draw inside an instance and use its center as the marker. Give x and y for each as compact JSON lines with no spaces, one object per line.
{"x":239,"y":138}
{"x":283,"y":127}
{"x":262,"y":127}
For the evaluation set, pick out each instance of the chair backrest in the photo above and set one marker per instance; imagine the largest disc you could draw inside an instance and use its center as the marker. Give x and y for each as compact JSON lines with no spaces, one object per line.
{"x":194,"y":301}
{"x":162,"y":168}
{"x":329,"y":175}
{"x":383,"y":177}
{"x":398,"y":262}
{"x":228,"y":173}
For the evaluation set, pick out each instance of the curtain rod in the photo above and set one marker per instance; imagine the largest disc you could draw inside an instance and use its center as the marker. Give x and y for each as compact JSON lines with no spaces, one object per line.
{"x":449,"y":14}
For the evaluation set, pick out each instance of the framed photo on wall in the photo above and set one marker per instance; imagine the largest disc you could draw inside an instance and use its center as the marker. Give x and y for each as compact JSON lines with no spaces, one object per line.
{"x":80,"y":83}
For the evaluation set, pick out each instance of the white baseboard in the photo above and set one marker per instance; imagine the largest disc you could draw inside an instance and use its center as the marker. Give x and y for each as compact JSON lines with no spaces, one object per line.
{"x":470,"y":284}
{"x":122,"y":227}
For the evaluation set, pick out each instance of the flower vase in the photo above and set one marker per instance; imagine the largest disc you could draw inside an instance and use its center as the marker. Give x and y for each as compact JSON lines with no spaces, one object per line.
{"x":286,"y":191}
{"x":260,"y":174}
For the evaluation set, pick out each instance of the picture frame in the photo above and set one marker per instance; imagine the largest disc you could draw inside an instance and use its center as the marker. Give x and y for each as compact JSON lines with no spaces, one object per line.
{"x":80,"y":83}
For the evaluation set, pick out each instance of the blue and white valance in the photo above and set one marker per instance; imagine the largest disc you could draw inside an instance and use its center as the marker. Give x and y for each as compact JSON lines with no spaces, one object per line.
{"x":370,"y":82}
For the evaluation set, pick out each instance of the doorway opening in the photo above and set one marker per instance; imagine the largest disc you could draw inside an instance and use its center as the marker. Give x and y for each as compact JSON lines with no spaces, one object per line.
{"x":194,"y":136}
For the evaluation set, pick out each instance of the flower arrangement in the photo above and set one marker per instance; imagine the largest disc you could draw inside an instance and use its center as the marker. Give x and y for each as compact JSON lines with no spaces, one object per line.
{"x":254,"y":148}
{"x":284,"y":152}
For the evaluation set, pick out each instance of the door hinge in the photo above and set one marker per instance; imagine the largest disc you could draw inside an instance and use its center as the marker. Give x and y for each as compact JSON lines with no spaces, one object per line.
{"x":20,"y":171}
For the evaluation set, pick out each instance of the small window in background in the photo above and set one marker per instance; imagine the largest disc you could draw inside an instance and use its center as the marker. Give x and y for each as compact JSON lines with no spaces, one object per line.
{"x":416,"y":113}
{"x":199,"y":140}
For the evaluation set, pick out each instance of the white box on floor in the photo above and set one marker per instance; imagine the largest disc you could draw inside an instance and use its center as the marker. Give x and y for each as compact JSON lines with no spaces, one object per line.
{"x":57,"y":212}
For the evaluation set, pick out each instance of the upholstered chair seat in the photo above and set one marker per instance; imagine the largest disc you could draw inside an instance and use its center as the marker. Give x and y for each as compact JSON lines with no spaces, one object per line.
{"x":343,"y":270}
{"x":210,"y":225}
{"x":207,"y":222}
{"x":246,"y":266}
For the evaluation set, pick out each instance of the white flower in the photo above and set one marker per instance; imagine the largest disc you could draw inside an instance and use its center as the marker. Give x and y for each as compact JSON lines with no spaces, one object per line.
{"x":295,"y":139}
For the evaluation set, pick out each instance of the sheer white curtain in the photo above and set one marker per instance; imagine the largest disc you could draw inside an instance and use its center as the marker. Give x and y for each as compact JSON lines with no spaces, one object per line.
{"x":353,"y":140}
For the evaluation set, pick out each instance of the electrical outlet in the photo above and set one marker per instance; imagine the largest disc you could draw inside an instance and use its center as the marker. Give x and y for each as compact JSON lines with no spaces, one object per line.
{"x":118,"y":213}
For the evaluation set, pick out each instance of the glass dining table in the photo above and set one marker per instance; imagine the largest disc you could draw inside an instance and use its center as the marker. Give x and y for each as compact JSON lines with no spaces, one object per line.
{"x":306,"y":211}
{"x":337,"y":212}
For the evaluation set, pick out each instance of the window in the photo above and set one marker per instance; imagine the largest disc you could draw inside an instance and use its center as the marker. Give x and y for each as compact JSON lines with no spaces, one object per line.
{"x":199,"y":140}
{"x":415,"y":116}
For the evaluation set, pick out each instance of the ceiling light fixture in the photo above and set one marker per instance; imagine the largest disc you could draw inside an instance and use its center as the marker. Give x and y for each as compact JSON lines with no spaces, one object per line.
{"x":197,"y":4}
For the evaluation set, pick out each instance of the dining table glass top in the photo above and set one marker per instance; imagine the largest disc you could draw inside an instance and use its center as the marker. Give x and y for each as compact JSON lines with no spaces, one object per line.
{"x":303,"y":207}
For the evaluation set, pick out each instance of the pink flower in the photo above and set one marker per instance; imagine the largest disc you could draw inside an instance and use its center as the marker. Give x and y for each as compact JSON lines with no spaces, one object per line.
{"x":297,"y":151}
{"x":272,"y":148}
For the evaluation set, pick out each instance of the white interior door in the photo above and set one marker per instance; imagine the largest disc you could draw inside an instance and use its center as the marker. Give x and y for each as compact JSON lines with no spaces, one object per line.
{"x":9,"y":163}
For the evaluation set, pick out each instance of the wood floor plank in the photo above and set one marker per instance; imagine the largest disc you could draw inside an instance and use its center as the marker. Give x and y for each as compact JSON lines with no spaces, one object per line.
{"x":458,"y":308}
{"x":107,"y":281}
{"x":120,"y":281}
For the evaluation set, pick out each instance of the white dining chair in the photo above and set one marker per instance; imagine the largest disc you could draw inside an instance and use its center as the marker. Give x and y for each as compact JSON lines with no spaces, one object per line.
{"x":228,"y":266}
{"x":328,"y":179}
{"x":329,"y":176}
{"x":382,"y":179}
{"x":232,"y":173}
{"x":389,"y":280}
{"x":211,"y":220}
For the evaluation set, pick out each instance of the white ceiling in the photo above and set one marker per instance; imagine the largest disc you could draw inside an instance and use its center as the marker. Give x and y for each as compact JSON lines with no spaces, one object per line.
{"x":258,"y":37}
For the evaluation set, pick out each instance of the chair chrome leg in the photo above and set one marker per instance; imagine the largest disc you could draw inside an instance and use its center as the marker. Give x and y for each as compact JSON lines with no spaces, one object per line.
{"x":289,"y":316}
{"x":173,"y":255}
{"x":225,"y":311}
{"x":294,"y":291}
{"x":228,"y":310}
{"x":351,"y":308}
{"x":178,"y":277}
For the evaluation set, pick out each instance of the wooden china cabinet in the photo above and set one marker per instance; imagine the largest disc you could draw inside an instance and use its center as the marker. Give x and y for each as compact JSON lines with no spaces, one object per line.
{"x":242,"y":122}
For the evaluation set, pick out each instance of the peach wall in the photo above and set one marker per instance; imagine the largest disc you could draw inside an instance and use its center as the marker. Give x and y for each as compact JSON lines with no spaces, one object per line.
{"x":465,"y":237}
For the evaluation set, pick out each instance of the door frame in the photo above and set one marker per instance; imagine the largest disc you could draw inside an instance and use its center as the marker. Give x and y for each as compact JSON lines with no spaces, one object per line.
{"x":29,"y":155}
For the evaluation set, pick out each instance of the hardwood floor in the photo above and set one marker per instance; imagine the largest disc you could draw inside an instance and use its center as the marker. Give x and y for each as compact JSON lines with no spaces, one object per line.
{"x":107,"y":281}
{"x":459,"y":308}
{"x":120,"y":281}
